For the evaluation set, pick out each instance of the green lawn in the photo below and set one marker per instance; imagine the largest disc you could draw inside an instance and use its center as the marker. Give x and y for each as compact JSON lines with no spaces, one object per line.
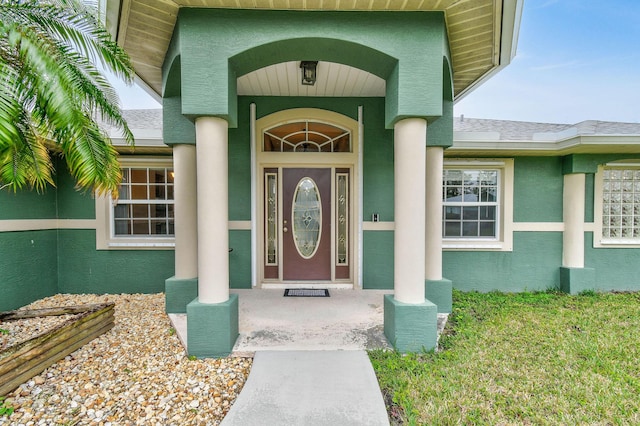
{"x":531,"y":358}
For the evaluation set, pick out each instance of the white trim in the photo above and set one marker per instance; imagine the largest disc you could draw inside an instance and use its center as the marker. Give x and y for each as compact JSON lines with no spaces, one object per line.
{"x":552,"y":144}
{"x":13,"y":225}
{"x":359,"y":275}
{"x":105,"y":239}
{"x":598,"y":240}
{"x":378,"y":226}
{"x":573,"y":199}
{"x":240,"y":225}
{"x":312,"y":285}
{"x":516,"y":226}
{"x":538,"y":227}
{"x":278,"y":160}
{"x":254,"y":199}
{"x":504,"y":241}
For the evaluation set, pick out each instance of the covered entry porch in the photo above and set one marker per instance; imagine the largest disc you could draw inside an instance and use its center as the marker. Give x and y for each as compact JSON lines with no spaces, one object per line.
{"x":392,"y":182}
{"x":347,"y":320}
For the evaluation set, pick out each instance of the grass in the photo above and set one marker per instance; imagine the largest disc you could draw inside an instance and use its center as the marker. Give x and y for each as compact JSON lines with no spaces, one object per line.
{"x":530,"y":358}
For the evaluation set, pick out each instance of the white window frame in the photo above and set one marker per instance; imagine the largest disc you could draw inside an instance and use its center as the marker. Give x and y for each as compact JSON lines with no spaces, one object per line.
{"x":503,"y":241}
{"x":105,"y":236}
{"x":599,"y":241}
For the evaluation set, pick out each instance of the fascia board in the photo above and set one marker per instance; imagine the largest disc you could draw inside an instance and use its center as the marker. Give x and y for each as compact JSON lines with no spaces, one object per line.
{"x":509,"y":32}
{"x":111,"y":16}
{"x":560,"y":147}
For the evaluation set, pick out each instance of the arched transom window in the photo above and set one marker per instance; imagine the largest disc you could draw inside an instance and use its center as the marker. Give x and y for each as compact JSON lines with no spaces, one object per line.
{"x":306,"y":136}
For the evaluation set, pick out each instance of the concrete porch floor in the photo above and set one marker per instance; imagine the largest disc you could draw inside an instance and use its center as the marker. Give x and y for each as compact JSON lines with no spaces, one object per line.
{"x":348,"y":320}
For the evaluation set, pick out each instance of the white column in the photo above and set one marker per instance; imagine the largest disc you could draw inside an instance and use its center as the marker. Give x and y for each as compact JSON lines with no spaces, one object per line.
{"x":573,"y":217}
{"x":410,"y":151}
{"x":433,"y":232}
{"x":185,"y":211}
{"x":213,"y":216}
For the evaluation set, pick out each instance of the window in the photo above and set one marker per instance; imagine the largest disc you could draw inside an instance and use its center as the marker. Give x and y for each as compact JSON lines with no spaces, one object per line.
{"x":617,"y":210}
{"x":143,"y":214}
{"x":476,"y":204}
{"x":307,"y":136}
{"x":470,"y":203}
{"x":145,"y":203}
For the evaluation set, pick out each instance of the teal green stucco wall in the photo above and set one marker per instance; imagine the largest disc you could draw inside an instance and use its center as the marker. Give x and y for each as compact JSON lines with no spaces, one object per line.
{"x":537,"y":191}
{"x":72,"y":204}
{"x":240,"y":259}
{"x":28,"y":267}
{"x":533,"y":265}
{"x":378,"y":260}
{"x":615,"y":268}
{"x":83,"y":269}
{"x":176,"y":128}
{"x":40,"y":263}
{"x":589,"y":186}
{"x":28,"y":204}
{"x":240,"y":165}
{"x":217,"y":45}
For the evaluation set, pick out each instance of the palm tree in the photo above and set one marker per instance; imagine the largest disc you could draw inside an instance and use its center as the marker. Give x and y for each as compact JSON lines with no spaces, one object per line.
{"x":52,"y":95}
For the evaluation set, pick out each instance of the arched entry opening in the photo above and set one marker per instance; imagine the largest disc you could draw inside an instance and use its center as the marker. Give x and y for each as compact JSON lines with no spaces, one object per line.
{"x":307,"y":198}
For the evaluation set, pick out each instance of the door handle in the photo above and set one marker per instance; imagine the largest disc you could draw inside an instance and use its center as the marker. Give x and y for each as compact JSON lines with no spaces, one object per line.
{"x":284,"y":229}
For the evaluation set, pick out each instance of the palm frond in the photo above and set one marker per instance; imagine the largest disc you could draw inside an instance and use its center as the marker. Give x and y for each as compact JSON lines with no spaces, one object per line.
{"x":52,"y":91}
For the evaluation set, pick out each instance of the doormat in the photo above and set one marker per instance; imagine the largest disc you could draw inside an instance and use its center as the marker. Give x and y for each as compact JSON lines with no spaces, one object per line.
{"x":306,"y":292}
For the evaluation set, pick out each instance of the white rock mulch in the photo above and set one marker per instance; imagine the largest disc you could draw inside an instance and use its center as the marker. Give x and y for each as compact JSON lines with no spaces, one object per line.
{"x":135,"y":374}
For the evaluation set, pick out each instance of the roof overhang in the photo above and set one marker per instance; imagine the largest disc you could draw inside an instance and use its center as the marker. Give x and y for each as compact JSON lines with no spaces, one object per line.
{"x":482,"y":34}
{"x":582,"y":144}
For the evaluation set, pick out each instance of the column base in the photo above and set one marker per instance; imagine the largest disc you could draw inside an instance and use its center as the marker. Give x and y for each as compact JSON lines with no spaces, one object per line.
{"x":440,"y":293}
{"x":178,"y":293}
{"x":212,"y":328}
{"x":577,"y":280}
{"x":408,"y":327}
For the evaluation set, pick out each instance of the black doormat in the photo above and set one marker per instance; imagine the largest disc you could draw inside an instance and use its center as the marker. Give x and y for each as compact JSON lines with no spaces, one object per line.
{"x":306,"y":292}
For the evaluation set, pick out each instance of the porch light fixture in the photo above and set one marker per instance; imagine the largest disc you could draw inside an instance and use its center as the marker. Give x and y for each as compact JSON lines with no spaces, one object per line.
{"x":308,"y":72}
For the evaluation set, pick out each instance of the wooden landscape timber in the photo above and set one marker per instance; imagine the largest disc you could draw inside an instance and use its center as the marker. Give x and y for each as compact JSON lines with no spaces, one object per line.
{"x":27,"y":359}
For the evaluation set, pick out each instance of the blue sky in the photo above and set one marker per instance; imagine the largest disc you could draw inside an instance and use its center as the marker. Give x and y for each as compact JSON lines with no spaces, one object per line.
{"x":576,"y":60}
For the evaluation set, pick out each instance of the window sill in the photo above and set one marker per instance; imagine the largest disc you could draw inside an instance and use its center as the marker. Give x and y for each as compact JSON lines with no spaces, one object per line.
{"x":138,"y":245}
{"x":617,"y":244}
{"x":475,"y":246}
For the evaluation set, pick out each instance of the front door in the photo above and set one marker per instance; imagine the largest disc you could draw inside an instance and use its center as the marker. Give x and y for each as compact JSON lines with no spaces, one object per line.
{"x":307,"y":196}
{"x":306,"y":224}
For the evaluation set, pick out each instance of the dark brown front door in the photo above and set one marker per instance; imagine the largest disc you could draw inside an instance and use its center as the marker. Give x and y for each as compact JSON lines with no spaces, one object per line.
{"x":306,"y":216}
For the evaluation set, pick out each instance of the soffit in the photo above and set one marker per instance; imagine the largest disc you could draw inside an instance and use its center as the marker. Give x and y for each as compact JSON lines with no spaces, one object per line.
{"x":283,"y":79}
{"x":475,"y":29}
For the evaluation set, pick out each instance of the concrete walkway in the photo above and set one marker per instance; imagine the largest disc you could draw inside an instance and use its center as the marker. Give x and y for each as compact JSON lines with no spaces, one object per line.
{"x":309,"y":388}
{"x":310,"y":365}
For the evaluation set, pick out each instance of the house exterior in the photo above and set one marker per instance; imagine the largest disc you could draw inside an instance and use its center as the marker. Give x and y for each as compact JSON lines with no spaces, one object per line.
{"x":260,"y":179}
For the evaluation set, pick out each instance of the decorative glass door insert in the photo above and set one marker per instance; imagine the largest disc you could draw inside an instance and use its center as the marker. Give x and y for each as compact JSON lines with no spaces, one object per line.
{"x":300,"y":241}
{"x":306,"y":217}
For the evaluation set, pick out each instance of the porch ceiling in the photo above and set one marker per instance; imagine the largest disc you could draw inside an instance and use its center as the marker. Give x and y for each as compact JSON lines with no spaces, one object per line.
{"x":482,"y":33}
{"x":333,"y":80}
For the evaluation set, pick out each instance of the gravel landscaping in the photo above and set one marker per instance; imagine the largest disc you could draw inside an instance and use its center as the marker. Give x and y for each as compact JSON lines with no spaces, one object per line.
{"x":137,"y":373}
